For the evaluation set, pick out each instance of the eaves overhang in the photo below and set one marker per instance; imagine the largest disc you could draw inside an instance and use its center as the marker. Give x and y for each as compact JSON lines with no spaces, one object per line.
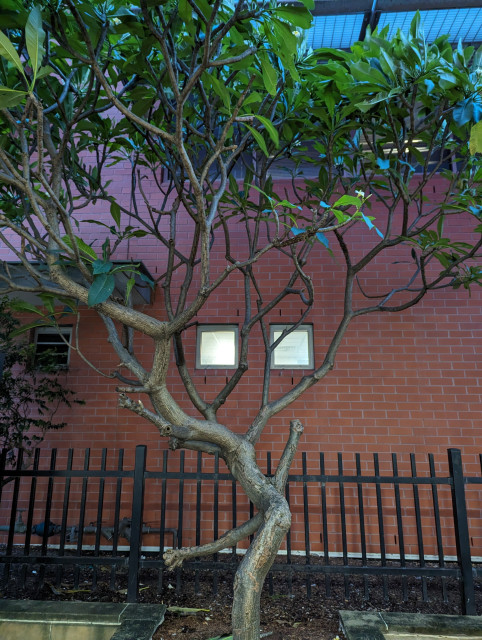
{"x":141,"y":293}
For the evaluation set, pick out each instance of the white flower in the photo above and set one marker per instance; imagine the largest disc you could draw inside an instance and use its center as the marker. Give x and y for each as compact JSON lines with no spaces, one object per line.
{"x":296,"y":33}
{"x":360,"y":194}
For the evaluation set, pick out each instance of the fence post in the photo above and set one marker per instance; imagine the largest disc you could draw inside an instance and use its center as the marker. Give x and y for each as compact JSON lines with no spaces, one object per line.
{"x":136,"y":523}
{"x":462,"y":537}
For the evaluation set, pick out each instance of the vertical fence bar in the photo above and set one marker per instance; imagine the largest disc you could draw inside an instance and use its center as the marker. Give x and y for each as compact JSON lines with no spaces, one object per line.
{"x":288,"y":542}
{"x":163,"y":519}
{"x":268,"y":473}
{"x":13,"y":514}
{"x":233,"y":516}
{"x":341,"y":488}
{"x":48,"y":509}
{"x":3,"y":462}
{"x":98,"y":523}
{"x":462,"y":539}
{"x":361,"y":517}
{"x":216,"y":519}
{"x":198,"y":517}
{"x":401,"y":539}
{"x":381,"y":527}
{"x":117,"y":507}
{"x":80,"y":532}
{"x":418,"y":522}
{"x":65,"y":511}
{"x":438,"y":528}
{"x":136,"y":523}
{"x":307,"y":524}
{"x":180,"y":517}
{"x":324,"y":517}
{"x":30,"y":513}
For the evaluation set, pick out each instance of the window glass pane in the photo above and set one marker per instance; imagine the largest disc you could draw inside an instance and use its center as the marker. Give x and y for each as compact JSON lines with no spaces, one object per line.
{"x":218,"y":348}
{"x":50,"y":338}
{"x":49,"y":341}
{"x":293,"y":350}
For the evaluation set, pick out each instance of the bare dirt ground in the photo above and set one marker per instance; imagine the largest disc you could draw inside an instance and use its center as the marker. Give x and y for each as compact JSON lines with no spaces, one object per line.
{"x":288,"y":611}
{"x":299,"y":617}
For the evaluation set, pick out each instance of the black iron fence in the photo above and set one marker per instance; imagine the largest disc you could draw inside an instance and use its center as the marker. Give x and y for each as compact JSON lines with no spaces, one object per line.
{"x":367,"y":522}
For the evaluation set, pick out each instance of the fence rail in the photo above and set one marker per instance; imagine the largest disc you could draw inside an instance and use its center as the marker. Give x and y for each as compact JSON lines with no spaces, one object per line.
{"x":346,"y":523}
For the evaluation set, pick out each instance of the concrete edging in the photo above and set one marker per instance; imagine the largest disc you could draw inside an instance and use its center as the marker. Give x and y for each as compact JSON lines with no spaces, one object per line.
{"x":134,"y":621}
{"x":362,"y":625}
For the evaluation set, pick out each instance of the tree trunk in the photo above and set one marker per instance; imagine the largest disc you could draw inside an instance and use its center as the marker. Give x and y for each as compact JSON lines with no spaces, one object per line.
{"x":271,"y":523}
{"x":255,"y":565}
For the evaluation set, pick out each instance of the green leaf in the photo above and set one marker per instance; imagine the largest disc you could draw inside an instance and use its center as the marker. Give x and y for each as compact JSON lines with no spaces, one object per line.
{"x":270,"y":75}
{"x":476,"y":138}
{"x":48,"y":303}
{"x":270,"y":128}
{"x":309,"y":4}
{"x":298,"y":16}
{"x":115,"y":212}
{"x":463,"y":111}
{"x":185,"y":11}
{"x":259,"y":139}
{"x":34,"y":38}
{"x":139,"y":233}
{"x":348,"y":200}
{"x":102,"y":266}
{"x":129,"y":286}
{"x":31,"y":325}
{"x":101,"y":289}
{"x":44,"y":71}
{"x":10,"y":97}
{"x":7,"y":50}
{"x":146,"y":279}
{"x":447,"y":80}
{"x":25,"y":307}
{"x":84,"y":248}
{"x":221,"y":90}
{"x":366,"y":74}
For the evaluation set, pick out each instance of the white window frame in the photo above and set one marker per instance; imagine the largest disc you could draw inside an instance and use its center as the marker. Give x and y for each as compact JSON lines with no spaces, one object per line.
{"x":213,"y":328}
{"x":64,"y":330}
{"x":305,"y":328}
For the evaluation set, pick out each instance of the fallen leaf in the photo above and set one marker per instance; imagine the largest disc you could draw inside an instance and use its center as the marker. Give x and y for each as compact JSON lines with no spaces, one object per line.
{"x":186,"y":611}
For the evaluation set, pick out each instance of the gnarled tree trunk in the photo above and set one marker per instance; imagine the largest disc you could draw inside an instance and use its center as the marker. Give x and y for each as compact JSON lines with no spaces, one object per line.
{"x":271,"y":525}
{"x":254,"y":567}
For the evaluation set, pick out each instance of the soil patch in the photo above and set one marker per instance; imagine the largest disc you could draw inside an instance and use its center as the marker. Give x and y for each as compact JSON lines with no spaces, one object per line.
{"x":299,"y":607}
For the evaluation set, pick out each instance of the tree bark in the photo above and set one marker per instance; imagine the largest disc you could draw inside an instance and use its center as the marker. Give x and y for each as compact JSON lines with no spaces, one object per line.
{"x":254,"y":567}
{"x":266,"y":495}
{"x":271,"y":523}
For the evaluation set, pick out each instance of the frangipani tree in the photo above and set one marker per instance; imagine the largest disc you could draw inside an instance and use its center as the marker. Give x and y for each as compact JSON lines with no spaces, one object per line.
{"x":202,"y":98}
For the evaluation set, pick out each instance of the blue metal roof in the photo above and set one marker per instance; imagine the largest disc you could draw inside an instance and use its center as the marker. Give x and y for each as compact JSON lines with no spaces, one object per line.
{"x":458,"y":24}
{"x":334,"y":31}
{"x":339,"y":23}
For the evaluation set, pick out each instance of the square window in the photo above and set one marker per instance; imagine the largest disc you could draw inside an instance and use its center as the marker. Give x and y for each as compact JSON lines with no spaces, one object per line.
{"x":217,"y":347}
{"x":295,"y":351}
{"x":56,"y":342}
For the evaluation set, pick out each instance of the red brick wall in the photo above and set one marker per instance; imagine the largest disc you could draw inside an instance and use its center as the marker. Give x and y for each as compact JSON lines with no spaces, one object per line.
{"x":402,"y":383}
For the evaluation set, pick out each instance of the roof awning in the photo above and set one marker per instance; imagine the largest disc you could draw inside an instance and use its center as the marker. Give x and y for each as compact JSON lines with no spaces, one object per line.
{"x":141,"y":292}
{"x":340,"y":23}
